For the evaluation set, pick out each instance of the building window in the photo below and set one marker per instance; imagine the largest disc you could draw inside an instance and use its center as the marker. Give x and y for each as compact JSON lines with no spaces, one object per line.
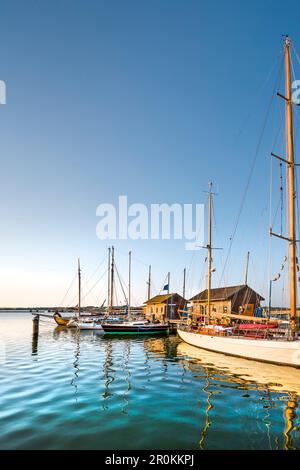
{"x":162,"y":309}
{"x":214,"y":308}
{"x":225,"y":309}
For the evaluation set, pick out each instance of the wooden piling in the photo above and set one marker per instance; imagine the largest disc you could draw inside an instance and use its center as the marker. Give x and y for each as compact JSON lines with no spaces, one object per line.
{"x":35,"y":333}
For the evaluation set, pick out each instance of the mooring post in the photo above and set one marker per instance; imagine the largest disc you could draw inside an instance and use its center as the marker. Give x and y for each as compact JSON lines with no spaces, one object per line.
{"x":35,"y":333}
{"x":36,"y":324}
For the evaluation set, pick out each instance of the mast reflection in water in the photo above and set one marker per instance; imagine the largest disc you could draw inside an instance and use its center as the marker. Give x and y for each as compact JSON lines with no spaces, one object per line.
{"x":137,"y":393}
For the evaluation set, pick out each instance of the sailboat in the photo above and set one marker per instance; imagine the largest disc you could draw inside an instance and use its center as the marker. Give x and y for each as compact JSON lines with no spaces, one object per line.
{"x":80,"y":323}
{"x":80,"y":320}
{"x":62,"y":320}
{"x":131,"y":326}
{"x":273,"y":347}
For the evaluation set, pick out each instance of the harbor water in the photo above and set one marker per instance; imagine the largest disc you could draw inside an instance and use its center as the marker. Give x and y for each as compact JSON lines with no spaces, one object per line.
{"x":65,"y":389}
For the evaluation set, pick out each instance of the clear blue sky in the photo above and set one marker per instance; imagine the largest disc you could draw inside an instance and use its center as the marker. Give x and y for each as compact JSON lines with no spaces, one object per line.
{"x":148,"y":99}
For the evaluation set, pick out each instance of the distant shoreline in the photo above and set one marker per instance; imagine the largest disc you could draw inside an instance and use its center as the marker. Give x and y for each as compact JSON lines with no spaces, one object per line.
{"x":37,"y":309}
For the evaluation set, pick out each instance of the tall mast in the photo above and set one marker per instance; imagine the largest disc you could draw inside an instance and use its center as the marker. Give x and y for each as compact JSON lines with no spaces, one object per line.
{"x":112,"y":274}
{"x":79,"y":288}
{"x":183,"y":289}
{"x":291,"y":186}
{"x":149,"y":283}
{"x":247,"y":266}
{"x":108,"y":282}
{"x":209,"y":247}
{"x":169,"y":312}
{"x":129,"y":283}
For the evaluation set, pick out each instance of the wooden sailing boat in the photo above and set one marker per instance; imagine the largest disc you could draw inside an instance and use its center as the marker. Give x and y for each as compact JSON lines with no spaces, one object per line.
{"x":80,"y":323}
{"x":70,"y":321}
{"x":274,"y":348}
{"x":130,"y":326}
{"x":60,"y":320}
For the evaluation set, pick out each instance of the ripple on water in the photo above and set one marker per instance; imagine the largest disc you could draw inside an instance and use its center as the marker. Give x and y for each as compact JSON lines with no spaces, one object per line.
{"x":71,"y":391}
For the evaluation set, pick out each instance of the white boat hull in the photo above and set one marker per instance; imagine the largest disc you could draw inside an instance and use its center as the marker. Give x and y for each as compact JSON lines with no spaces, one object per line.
{"x":89,"y":326}
{"x":273,"y":351}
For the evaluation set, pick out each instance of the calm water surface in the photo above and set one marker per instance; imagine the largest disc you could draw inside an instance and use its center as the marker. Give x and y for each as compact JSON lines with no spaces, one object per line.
{"x":70,"y":390}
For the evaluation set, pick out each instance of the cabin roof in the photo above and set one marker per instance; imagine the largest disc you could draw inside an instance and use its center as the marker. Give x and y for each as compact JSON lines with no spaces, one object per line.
{"x":160,"y":299}
{"x":223,"y":293}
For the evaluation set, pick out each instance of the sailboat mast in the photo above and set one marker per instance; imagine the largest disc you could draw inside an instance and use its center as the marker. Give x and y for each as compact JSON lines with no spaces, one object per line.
{"x":149,"y":283}
{"x":108,"y":282}
{"x":291,"y":186}
{"x":183,"y":288}
{"x":247,"y":267}
{"x":129,"y":283}
{"x":79,"y":288}
{"x":112,"y":279}
{"x":209,"y":254}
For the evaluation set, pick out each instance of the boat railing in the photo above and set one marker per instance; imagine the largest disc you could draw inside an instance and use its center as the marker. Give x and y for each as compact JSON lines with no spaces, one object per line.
{"x":239,"y":331}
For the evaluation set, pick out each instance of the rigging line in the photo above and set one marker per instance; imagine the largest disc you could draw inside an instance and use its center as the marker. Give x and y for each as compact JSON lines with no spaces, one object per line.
{"x":296,"y":178}
{"x":281,"y":197}
{"x":252,"y":168}
{"x":101,"y":277}
{"x":189,"y":269}
{"x":260,"y":282}
{"x":298,"y":225}
{"x":153,"y":287}
{"x":116,"y":296}
{"x":164,"y":283}
{"x":123,"y":283}
{"x":98,"y":267}
{"x":216,"y":228}
{"x":261,"y":88}
{"x":297,"y":186}
{"x":271,"y":170}
{"x":126,"y":300}
{"x":133,"y":256}
{"x":192,"y":259}
{"x":75,"y":297}
{"x":68,"y":290}
{"x":85,"y":286}
{"x":139,"y":260}
{"x":296,"y":53}
{"x":218,"y":241}
{"x":273,"y":221}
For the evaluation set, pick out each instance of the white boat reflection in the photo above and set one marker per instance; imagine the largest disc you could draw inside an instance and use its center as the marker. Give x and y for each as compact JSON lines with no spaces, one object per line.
{"x":246,"y":372}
